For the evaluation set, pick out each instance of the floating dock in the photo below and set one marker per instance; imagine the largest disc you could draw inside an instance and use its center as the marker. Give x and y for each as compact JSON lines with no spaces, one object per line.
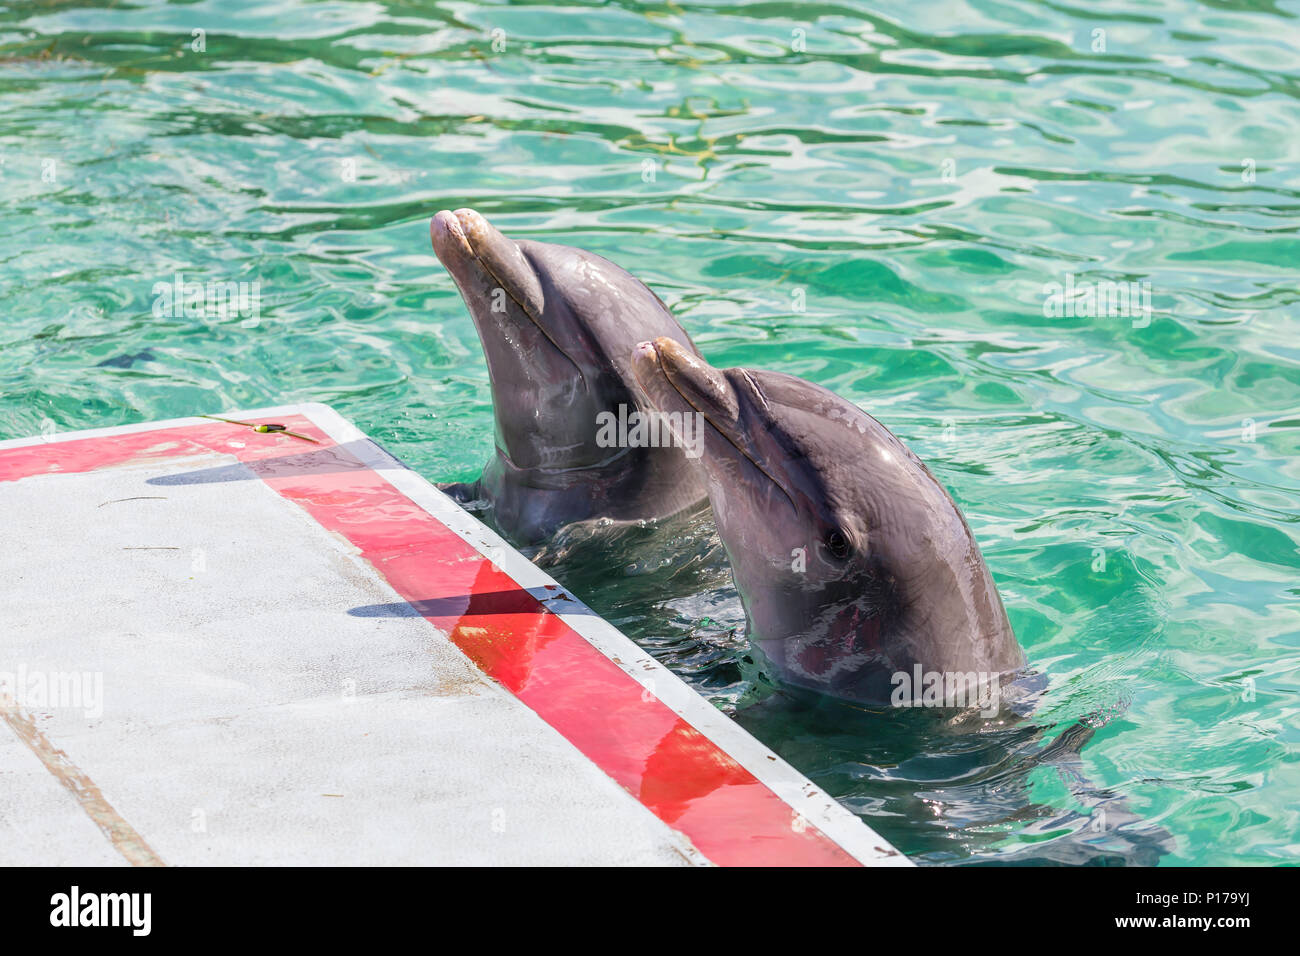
{"x":220,"y":646}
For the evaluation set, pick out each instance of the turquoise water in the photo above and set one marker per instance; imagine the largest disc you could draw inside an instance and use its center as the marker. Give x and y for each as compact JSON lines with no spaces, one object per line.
{"x":878,"y":209}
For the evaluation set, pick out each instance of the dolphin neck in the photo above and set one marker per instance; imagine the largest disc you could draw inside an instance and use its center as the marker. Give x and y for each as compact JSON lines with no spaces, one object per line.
{"x":540,"y":476}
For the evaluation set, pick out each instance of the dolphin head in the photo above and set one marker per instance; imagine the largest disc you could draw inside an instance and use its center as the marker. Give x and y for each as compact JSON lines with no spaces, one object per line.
{"x":557,"y":326}
{"x":852,"y":561}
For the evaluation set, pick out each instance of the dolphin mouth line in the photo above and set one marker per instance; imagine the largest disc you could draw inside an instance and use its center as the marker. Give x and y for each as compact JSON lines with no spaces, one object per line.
{"x":712,"y":424}
{"x":469,"y":247}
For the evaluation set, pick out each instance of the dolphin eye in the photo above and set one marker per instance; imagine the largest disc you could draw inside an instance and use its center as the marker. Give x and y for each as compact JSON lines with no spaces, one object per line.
{"x":837,"y":545}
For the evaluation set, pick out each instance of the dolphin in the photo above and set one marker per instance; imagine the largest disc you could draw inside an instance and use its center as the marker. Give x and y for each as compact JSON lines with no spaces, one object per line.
{"x":856,"y":570}
{"x":558,"y":326}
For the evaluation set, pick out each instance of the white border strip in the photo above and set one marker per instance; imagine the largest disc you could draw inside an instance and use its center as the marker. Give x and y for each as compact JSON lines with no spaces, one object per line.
{"x":806,"y":799}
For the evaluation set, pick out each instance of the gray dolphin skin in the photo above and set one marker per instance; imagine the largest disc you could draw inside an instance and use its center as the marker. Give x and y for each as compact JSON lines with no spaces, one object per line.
{"x":558,"y":326}
{"x":853,"y":563}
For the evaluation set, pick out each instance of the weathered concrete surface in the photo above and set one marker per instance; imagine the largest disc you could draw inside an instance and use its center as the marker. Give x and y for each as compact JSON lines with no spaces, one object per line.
{"x":247,"y":718}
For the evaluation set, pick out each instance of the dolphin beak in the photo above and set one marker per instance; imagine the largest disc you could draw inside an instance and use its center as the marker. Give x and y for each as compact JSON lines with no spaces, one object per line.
{"x":448,"y":237}
{"x":676,"y":379}
{"x":482,"y":260}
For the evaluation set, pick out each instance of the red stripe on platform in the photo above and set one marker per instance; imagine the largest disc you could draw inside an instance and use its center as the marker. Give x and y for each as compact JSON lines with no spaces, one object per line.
{"x":675,"y":771}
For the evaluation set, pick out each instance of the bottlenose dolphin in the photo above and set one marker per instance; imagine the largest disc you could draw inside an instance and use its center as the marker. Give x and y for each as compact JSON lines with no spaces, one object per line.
{"x":857,"y":571}
{"x":558,"y":326}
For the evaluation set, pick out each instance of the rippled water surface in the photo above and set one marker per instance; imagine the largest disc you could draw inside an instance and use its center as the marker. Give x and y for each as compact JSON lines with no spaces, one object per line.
{"x":870,"y":195}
